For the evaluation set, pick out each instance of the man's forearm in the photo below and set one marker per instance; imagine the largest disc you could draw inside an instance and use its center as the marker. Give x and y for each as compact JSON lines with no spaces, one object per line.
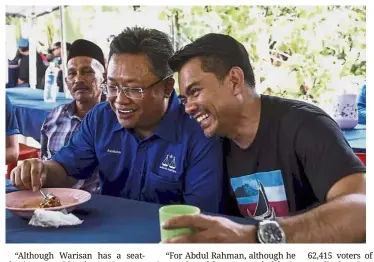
{"x":11,"y":155}
{"x":57,"y":176}
{"x":340,"y":220}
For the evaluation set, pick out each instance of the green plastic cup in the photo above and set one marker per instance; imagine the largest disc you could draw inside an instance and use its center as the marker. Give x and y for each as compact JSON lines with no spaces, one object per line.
{"x":170,"y":211}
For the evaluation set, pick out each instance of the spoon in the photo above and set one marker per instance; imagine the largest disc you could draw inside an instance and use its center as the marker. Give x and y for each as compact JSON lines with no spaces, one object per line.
{"x":48,"y":196}
{"x":50,"y":200}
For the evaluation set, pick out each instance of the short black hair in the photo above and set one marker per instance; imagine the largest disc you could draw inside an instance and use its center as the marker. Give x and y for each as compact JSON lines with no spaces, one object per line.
{"x":218,"y":53}
{"x":58,"y":45}
{"x":154,"y":44}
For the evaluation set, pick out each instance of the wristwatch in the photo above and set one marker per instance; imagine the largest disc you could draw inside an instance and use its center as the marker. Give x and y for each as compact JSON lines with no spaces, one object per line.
{"x":270,"y":232}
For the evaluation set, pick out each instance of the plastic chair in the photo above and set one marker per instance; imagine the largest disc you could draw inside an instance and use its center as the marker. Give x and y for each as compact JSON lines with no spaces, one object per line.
{"x":25,"y":152}
{"x":362,"y":157}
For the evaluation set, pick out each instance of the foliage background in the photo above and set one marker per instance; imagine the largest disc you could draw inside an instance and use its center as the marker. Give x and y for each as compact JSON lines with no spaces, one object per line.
{"x":303,"y":52}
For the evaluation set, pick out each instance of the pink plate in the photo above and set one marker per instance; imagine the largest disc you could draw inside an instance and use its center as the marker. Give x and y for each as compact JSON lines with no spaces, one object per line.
{"x":23,"y":203}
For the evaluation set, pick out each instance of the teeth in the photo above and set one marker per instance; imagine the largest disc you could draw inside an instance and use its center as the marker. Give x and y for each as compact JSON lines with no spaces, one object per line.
{"x":126,"y":111}
{"x":202,"y":118}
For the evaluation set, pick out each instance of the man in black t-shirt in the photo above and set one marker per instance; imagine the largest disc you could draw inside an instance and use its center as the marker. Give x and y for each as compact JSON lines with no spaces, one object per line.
{"x":288,"y":164}
{"x":22,"y":58}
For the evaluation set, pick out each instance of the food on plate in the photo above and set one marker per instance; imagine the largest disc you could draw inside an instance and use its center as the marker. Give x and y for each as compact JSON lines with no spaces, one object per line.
{"x":50,"y":202}
{"x":42,"y":203}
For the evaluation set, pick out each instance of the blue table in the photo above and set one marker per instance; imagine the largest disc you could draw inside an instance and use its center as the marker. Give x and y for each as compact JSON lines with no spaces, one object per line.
{"x":356,"y":138}
{"x":31,"y":110}
{"x":9,"y":187}
{"x":106,"y":220}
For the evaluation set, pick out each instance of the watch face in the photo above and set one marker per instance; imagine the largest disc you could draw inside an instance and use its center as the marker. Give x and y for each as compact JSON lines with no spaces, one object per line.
{"x":271,"y":233}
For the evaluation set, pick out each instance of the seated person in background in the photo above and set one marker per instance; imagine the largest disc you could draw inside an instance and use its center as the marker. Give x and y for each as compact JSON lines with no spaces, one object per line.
{"x":147,"y":148}
{"x":86,"y":72}
{"x":361,"y":104}
{"x":289,"y":165}
{"x":56,"y":51}
{"x":12,"y":147}
{"x":23,"y":62}
{"x":22,"y":59}
{"x":13,"y":69}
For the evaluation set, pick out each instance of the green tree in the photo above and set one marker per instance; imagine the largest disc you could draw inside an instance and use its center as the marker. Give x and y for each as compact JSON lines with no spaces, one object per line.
{"x":72,"y":28}
{"x":297,"y":51}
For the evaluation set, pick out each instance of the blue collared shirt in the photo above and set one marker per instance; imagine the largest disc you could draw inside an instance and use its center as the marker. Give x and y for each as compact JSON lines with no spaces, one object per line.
{"x":177,"y":164}
{"x":11,"y":120}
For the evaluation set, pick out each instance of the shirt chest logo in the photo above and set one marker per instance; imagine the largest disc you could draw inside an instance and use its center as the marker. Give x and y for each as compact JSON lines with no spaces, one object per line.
{"x":169,"y":163}
{"x":113,"y":151}
{"x":261,"y":195}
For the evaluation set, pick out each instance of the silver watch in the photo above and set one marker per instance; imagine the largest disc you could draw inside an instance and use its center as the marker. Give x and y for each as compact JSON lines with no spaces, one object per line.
{"x":270,"y":232}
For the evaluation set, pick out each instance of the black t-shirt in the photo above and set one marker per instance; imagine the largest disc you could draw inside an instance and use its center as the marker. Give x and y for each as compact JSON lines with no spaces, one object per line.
{"x":24,"y":68}
{"x":298,"y":153}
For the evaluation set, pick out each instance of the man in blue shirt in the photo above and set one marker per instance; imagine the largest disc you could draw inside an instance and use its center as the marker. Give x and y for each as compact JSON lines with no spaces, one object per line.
{"x":144,"y":144}
{"x":12,"y":148}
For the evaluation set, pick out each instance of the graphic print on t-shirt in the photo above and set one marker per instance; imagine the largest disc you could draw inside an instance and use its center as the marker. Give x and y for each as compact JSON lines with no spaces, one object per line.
{"x":260,"y":194}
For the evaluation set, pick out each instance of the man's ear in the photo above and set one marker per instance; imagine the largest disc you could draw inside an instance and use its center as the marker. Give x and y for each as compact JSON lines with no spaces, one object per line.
{"x":236,"y":80}
{"x":169,"y":87}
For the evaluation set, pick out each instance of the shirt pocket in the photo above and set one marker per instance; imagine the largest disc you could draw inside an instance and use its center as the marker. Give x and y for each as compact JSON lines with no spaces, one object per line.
{"x":162,"y":190}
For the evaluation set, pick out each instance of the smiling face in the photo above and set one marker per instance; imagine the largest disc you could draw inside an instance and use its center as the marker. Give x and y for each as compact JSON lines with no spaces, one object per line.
{"x":134,"y":110}
{"x":207,"y":99}
{"x":84,"y":78}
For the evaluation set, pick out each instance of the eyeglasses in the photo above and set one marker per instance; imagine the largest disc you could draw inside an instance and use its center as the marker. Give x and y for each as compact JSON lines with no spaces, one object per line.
{"x":130,"y":92}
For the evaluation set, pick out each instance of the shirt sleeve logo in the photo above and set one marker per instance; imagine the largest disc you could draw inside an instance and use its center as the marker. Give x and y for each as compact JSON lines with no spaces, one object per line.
{"x":169,"y":163}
